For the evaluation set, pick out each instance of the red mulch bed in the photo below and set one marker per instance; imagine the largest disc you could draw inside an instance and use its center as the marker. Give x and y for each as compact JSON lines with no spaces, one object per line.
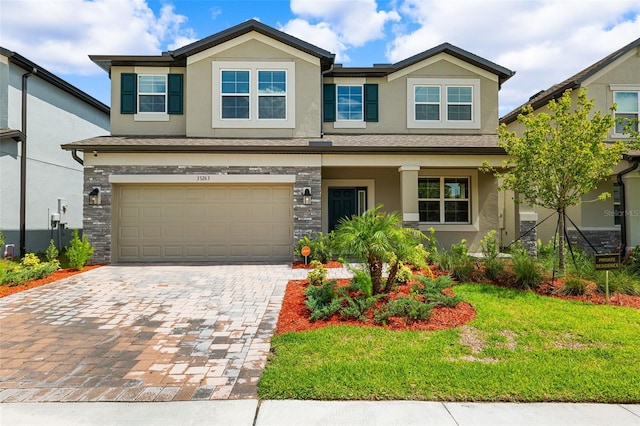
{"x":553,"y":290}
{"x":5,"y":290}
{"x":294,"y":315}
{"x":302,"y":265}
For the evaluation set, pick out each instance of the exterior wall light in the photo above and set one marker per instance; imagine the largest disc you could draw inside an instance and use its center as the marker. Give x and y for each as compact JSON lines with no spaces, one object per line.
{"x":94,"y":197}
{"x":306,"y":196}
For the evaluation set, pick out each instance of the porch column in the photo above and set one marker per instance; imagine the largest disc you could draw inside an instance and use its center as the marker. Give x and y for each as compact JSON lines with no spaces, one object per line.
{"x":409,"y":195}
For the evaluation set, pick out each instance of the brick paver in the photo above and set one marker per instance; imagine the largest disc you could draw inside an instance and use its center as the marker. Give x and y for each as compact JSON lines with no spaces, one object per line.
{"x":142,"y":333}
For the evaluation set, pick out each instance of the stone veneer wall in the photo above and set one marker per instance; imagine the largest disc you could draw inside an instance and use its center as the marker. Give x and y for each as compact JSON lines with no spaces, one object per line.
{"x":604,"y":240}
{"x":97,"y":218}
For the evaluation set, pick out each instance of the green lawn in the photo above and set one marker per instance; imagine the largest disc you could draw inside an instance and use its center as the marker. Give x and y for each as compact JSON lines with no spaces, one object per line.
{"x":525,"y":348}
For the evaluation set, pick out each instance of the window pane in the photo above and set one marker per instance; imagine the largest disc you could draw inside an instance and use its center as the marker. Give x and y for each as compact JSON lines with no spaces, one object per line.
{"x":459,"y":94}
{"x":459,"y":112}
{"x":235,"y":107}
{"x":427,"y":112}
{"x":271,"y":107}
{"x":427,"y":94}
{"x":429,"y":188}
{"x":429,"y":211}
{"x":151,"y":103}
{"x":456,"y":188}
{"x":456,"y":211}
{"x":627,"y":120}
{"x":349,"y":103}
{"x":152,"y":84}
{"x":235,"y":81}
{"x":272,"y":82}
{"x":626,"y":101}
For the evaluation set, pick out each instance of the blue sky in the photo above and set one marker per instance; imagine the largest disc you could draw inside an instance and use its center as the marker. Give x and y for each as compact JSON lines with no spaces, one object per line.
{"x":544,"y":41}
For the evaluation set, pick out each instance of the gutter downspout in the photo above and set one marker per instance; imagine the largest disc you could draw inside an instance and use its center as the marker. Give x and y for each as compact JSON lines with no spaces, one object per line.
{"x":322,"y":98}
{"x":74,"y":154}
{"x":23,"y":166}
{"x":623,"y":206}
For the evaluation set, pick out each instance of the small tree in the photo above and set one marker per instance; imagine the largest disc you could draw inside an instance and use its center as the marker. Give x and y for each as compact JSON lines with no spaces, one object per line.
{"x":375,"y":238}
{"x":560,"y":156}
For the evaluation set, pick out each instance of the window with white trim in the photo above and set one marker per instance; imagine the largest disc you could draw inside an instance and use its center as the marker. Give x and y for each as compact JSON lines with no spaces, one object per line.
{"x":152,"y":93}
{"x":626,"y":114}
{"x":253,"y":94}
{"x":443,"y":103}
{"x":444,"y":199}
{"x":349,"y":103}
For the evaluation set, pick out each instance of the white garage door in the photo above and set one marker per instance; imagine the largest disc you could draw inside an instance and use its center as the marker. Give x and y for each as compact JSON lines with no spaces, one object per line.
{"x":200,"y":223}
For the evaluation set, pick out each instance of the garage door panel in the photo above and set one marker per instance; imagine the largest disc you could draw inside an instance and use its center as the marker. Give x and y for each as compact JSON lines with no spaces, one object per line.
{"x":221,"y":222}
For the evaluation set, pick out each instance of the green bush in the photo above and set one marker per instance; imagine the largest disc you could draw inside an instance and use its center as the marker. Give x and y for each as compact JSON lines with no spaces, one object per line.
{"x":632,"y":262}
{"x":52,"y":252}
{"x":431,"y":291}
{"x":489,"y":245}
{"x":2,"y":242}
{"x":356,"y":307}
{"x":408,"y":308}
{"x":19,"y":273}
{"x":494,"y":269}
{"x":620,"y":281}
{"x":322,"y":300}
{"x":404,"y":274}
{"x":79,"y":251}
{"x":320,"y":245}
{"x":361,"y":281}
{"x":318,"y":274}
{"x":574,"y":286}
{"x":30,"y":261}
{"x":527,"y":269}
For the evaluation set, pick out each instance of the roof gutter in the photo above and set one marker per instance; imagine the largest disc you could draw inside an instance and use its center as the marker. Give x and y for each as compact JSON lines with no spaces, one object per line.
{"x":74,"y":154}
{"x":23,"y":165}
{"x":635,"y":162}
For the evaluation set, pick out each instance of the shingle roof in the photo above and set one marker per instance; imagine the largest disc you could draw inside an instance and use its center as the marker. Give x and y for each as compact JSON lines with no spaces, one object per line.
{"x":11,"y":134}
{"x":361,"y":144}
{"x":575,"y":81}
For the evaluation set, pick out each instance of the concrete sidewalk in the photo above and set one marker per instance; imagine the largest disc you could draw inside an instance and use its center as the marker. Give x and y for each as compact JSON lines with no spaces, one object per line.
{"x":250,"y":412}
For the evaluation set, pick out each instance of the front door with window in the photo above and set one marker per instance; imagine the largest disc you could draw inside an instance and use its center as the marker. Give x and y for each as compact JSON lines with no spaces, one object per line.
{"x":344,"y":203}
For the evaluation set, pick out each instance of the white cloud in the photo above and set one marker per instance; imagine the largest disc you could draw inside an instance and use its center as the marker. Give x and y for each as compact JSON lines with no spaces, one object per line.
{"x":545,"y":42}
{"x":60,"y":34}
{"x":340,"y":24}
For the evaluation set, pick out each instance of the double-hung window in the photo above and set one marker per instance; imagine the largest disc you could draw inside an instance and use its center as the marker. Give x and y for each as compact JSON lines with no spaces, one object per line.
{"x":627,"y":112}
{"x":152,"y":93}
{"x":272,"y":94}
{"x":349,"y":101}
{"x":235,"y":100}
{"x":443,"y":103}
{"x":253,"y":94}
{"x":444,"y":199}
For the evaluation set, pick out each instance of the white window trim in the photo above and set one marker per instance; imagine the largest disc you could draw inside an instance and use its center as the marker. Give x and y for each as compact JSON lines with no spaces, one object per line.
{"x":474,"y":224}
{"x":349,"y":124}
{"x":443,"y":123}
{"x":622,"y":88}
{"x":151,"y":116}
{"x":253,"y":122}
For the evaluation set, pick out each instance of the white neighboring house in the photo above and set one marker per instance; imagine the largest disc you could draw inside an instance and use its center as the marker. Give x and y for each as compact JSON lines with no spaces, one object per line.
{"x":38,"y":112}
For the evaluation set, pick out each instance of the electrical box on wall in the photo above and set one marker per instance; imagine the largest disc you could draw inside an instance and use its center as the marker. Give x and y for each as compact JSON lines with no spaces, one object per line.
{"x":62,"y":211}
{"x":55,"y":220}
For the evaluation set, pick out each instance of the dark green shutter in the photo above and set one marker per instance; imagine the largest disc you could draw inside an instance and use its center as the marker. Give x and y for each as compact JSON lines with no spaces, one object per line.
{"x":175,"y":91}
{"x":370,"y":102}
{"x":128,"y":92}
{"x":329,"y":102}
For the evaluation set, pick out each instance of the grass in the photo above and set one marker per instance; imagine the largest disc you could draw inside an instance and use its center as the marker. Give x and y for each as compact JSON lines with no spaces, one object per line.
{"x":526,"y":348}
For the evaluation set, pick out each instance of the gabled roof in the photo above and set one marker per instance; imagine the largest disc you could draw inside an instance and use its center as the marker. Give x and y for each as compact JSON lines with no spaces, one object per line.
{"x":541,"y":98}
{"x":178,"y":57}
{"x":51,"y":78}
{"x":384,"y":69}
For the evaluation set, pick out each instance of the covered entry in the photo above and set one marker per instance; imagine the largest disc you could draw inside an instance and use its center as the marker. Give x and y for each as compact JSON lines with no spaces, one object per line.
{"x":202,"y":222}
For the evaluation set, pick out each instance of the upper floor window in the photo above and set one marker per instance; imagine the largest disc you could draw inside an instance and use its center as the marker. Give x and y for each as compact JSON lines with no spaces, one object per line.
{"x":627,"y":112}
{"x":349,"y":103}
{"x":253,"y":94}
{"x":152,"y":93}
{"x":443,"y":103}
{"x":444,"y":199}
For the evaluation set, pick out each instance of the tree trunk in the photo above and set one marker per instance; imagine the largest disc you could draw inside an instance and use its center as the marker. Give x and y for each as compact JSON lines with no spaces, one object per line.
{"x":375,"y":270}
{"x":562,"y":232}
{"x":393,"y":272}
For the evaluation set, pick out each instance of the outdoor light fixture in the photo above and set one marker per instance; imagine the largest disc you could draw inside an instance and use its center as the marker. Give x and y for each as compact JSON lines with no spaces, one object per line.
{"x":306,"y":196}
{"x":94,"y":197}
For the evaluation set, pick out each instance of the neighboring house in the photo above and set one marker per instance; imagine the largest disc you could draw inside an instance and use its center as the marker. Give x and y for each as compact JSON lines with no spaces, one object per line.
{"x":38,"y":112}
{"x":612,"y":224}
{"x":235,"y":146}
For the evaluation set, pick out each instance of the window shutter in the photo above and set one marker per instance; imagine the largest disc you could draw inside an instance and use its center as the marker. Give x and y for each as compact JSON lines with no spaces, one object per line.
{"x":370,"y":102}
{"x":175,"y":93}
{"x":329,"y":102}
{"x":128,"y":92}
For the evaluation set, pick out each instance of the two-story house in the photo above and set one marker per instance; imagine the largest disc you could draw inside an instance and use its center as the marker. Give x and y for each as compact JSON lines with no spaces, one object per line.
{"x":41,"y":185}
{"x":235,"y":146}
{"x":612,"y":224}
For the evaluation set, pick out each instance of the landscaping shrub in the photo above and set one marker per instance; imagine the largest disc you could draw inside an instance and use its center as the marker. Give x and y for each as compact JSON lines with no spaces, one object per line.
{"x":575,"y":286}
{"x":431,"y":290}
{"x":320,"y":245}
{"x":356,"y":307}
{"x":79,"y":251}
{"x":318,"y":274}
{"x":620,"y":281}
{"x":361,"y":281}
{"x":322,"y":300}
{"x":52,"y":253}
{"x":408,"y":308}
{"x":489,"y":245}
{"x":527,"y":269}
{"x":494,"y":269}
{"x":632,"y":262}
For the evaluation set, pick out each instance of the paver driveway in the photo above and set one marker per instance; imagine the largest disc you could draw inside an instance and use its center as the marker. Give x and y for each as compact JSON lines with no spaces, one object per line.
{"x":141,"y":333}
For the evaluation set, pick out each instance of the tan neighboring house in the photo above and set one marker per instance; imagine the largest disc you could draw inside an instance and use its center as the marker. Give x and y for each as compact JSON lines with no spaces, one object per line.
{"x":612,"y":224}
{"x":235,"y":146}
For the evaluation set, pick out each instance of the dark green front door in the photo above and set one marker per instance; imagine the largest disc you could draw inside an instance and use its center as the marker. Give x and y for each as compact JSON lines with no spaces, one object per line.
{"x":345,"y":202}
